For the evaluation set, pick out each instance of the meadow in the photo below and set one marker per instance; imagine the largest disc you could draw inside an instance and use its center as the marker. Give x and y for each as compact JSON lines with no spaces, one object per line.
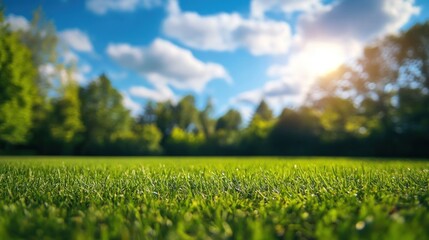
{"x":213,"y":198}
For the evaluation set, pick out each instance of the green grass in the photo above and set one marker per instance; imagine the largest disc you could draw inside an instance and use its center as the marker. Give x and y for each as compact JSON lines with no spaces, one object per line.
{"x":213,"y":198}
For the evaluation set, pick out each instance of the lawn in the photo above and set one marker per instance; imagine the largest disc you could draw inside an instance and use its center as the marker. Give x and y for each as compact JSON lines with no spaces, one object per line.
{"x":213,"y":198}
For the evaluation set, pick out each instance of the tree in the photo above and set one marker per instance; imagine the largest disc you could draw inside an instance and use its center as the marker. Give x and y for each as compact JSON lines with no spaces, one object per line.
{"x":255,"y":136}
{"x":296,"y":132}
{"x":264,"y":111}
{"x":412,"y":115}
{"x":230,"y":121}
{"x":165,"y":119}
{"x":181,"y":142}
{"x":103,"y":114}
{"x":149,"y":115}
{"x":227,"y":135}
{"x":65,"y":120}
{"x":186,"y":113}
{"x":148,"y":138}
{"x":413,"y":53}
{"x":16,"y":88}
{"x":206,"y":123}
{"x":42,"y":40}
{"x":341,"y":120}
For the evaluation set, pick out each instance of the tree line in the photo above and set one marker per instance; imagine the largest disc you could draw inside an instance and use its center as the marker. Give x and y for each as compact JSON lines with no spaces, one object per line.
{"x":377,"y":105}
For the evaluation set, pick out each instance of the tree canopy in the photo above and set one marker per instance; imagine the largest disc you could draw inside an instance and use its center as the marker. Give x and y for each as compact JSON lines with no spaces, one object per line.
{"x":16,"y":88}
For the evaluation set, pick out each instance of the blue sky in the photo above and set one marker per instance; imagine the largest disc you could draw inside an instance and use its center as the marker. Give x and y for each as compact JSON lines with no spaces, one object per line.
{"x":235,"y":52}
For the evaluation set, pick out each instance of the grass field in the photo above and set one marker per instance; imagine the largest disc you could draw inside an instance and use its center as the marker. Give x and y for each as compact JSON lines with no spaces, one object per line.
{"x":213,"y":198}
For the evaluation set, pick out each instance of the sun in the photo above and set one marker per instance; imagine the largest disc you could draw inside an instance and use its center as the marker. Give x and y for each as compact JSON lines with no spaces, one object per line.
{"x":323,"y":58}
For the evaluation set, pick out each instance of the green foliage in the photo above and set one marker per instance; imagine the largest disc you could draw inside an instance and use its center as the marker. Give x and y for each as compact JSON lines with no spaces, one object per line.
{"x":227,"y":130}
{"x":65,"y":121}
{"x":295,"y":132}
{"x":225,"y":138}
{"x":263,"y":111}
{"x":16,"y":89}
{"x":103,"y":114}
{"x":164,"y":114}
{"x":148,"y":138}
{"x":262,"y":198}
{"x":340,"y":120}
{"x":42,"y":40}
{"x":205,"y":122}
{"x":231,"y":121}
{"x":186,"y":112}
{"x":259,"y":127}
{"x":182,"y":142}
{"x":254,"y":138}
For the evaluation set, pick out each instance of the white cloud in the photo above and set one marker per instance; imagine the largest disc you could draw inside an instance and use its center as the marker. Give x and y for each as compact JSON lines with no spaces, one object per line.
{"x":361,"y":20}
{"x":260,"y":7}
{"x":17,"y":22}
{"x":276,"y":92}
{"x":399,"y":12}
{"x":70,"y":57}
{"x":160,"y":93}
{"x":103,"y":6}
{"x":251,"y":97}
{"x":165,"y":63}
{"x":129,"y":103}
{"x":47,"y":71}
{"x":226,"y":32}
{"x":77,"y":40}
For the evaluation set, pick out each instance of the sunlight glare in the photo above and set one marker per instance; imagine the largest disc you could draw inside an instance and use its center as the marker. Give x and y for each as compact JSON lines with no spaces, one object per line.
{"x":323,"y":58}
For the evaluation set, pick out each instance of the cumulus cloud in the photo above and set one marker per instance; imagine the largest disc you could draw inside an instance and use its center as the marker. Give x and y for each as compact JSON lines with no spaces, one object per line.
{"x":165,"y":63}
{"x":103,"y":6}
{"x":70,"y":57}
{"x":260,"y":7}
{"x":160,"y":93}
{"x":274,"y":92}
{"x":77,"y":40}
{"x":17,"y":22}
{"x":226,"y":32}
{"x":357,"y":20}
{"x":251,"y":97}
